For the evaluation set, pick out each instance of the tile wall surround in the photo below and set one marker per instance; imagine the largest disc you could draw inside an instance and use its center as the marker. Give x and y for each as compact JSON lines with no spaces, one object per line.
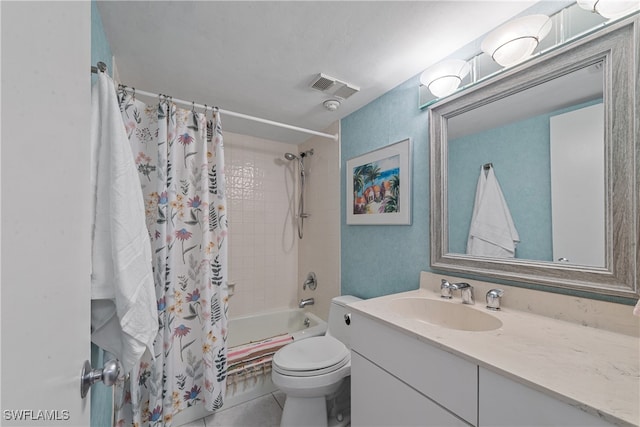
{"x":319,"y":250}
{"x":267,"y":261}
{"x":263,"y":244}
{"x":605,"y":315}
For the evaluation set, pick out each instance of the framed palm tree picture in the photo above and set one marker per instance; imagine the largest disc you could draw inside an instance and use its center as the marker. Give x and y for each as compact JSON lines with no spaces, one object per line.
{"x":379,"y":186}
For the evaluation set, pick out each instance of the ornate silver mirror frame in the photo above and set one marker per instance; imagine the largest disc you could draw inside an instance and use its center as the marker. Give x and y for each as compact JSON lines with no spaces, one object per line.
{"x":618,"y":47}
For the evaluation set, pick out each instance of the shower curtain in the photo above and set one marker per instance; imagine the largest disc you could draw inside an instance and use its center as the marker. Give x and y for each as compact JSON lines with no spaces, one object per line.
{"x":179,"y":158}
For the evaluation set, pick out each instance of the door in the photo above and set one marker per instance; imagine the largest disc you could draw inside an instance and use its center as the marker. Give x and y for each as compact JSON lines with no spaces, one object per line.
{"x":577,"y":186}
{"x":45,"y":211}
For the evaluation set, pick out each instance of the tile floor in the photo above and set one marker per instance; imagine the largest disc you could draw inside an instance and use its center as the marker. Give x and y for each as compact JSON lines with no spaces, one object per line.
{"x":264,"y":411}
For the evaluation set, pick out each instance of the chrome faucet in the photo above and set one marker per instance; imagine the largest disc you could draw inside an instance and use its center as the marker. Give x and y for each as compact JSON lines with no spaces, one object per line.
{"x":305,"y":302}
{"x":466,"y":291}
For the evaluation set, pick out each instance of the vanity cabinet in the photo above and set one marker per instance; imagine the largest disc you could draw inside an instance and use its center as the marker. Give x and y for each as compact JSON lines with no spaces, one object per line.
{"x":504,"y":402}
{"x":380,"y":399}
{"x":398,"y":380}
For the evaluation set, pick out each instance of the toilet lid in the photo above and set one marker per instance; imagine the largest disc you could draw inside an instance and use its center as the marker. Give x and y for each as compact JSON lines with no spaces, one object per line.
{"x":311,"y":354}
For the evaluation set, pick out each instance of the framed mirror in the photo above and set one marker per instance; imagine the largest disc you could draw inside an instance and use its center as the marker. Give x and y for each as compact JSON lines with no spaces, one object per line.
{"x":559,"y":135}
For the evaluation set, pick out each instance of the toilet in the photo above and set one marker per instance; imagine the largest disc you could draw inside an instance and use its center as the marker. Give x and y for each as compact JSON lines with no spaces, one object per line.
{"x":314,"y":373}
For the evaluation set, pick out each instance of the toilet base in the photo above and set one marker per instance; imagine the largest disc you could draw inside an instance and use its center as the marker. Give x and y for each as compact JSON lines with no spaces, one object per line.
{"x":311,"y":412}
{"x":304,"y":411}
{"x":339,"y":405}
{"x":323,"y":411}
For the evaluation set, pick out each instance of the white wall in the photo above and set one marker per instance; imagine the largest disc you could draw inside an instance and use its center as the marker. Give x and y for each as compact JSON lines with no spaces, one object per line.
{"x":267,"y":261}
{"x":263,"y":244}
{"x":319,"y":250}
{"x":45,"y":207}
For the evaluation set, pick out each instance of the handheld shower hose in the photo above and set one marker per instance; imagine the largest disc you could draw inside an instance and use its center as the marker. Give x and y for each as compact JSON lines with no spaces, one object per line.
{"x":301,"y":214}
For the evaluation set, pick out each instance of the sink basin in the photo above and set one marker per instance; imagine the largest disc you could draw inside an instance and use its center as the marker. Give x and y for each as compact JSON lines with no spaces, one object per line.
{"x":448,"y":314}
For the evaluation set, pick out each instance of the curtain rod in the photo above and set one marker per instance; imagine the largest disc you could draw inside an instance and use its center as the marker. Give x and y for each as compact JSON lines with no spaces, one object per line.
{"x":101,"y":67}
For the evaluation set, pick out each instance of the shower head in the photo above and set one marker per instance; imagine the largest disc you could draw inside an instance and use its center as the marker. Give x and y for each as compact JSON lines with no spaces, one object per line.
{"x":290,"y":156}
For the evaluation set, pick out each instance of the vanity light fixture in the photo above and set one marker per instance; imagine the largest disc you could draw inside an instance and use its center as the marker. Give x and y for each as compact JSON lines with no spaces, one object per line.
{"x":516,"y":40}
{"x":610,"y":8}
{"x":443,"y":78}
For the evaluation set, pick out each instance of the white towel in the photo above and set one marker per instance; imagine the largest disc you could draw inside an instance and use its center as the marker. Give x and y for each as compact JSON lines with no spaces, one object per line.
{"x":124,"y":319}
{"x":492,"y":232}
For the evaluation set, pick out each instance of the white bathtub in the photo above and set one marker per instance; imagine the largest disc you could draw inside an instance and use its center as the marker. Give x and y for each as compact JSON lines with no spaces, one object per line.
{"x":243,"y":330}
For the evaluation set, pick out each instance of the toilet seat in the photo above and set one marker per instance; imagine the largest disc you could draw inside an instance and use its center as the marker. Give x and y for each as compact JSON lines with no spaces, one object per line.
{"x":311,"y":357}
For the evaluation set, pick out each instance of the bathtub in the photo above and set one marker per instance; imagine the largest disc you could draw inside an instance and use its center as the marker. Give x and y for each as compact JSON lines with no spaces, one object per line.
{"x":242,"y":330}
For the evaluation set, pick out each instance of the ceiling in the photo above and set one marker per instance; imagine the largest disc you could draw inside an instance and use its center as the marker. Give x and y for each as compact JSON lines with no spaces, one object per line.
{"x":259,"y":57}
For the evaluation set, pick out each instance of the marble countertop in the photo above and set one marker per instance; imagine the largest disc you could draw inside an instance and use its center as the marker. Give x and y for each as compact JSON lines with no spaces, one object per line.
{"x":593,"y":369}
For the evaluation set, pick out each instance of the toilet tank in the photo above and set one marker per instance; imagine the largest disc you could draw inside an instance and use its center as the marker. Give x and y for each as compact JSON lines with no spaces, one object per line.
{"x":337,"y":327}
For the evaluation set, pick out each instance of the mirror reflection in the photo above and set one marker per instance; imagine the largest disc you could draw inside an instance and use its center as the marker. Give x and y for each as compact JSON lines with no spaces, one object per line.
{"x":526,"y":174}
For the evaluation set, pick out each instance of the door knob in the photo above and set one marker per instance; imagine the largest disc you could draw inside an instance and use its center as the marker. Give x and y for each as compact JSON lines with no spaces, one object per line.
{"x":89,"y":376}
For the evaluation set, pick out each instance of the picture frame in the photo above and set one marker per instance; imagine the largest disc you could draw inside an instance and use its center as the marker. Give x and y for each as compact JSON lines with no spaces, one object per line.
{"x":379,"y":186}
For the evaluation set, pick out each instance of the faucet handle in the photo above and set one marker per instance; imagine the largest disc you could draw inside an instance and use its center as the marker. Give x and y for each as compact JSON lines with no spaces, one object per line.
{"x":310,"y":282}
{"x":493,"y":299}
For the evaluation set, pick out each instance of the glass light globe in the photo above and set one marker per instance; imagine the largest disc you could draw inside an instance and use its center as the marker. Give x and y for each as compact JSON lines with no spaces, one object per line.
{"x":610,"y":8}
{"x":516,"y":40}
{"x":515,"y":51}
{"x":444,"y":86}
{"x":444,"y":78}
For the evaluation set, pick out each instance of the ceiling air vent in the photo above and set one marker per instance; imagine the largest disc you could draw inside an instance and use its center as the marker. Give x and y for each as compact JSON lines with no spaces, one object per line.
{"x":322,"y":82}
{"x":332,"y":86}
{"x":345,"y":91}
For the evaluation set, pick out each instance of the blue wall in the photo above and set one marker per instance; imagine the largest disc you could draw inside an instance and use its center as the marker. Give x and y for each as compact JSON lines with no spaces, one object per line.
{"x":378,"y":259}
{"x":520,"y":156}
{"x":101,"y":395}
{"x":521,"y":160}
{"x":381,"y":260}
{"x":100,"y":48}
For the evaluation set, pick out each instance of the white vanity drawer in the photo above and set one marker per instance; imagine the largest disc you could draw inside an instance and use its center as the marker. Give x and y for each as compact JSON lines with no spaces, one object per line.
{"x":380,"y":399}
{"x":443,"y":377}
{"x":507,"y":403}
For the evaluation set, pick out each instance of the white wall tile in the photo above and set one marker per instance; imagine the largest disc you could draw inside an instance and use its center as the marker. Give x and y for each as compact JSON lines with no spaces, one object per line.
{"x":263,"y":256}
{"x":319,"y":250}
{"x":267,"y":260}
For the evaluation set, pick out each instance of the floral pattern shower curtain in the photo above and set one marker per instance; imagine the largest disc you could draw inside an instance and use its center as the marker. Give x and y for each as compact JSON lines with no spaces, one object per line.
{"x":179,"y":156}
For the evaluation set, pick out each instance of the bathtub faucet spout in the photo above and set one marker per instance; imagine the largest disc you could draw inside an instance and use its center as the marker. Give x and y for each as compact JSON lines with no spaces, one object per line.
{"x":305,"y":302}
